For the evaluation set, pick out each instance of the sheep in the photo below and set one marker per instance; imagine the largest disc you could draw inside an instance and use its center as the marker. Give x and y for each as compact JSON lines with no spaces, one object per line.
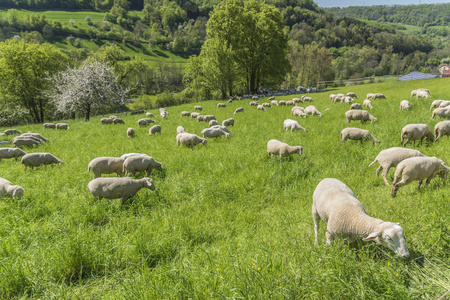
{"x":332,"y":96}
{"x":260,"y":107}
{"x":35,"y":135}
{"x":271,"y":98}
{"x":441,"y":129}
{"x":356,"y":134}
{"x":136,"y":164}
{"x":274,"y":103}
{"x":361,"y":115}
{"x":118,"y":121}
{"x":39,"y":158}
{"x":292,"y":125}
{"x":214,"y":132}
{"x":208,"y":118}
{"x":413,"y":132}
{"x":348,"y":100}
{"x":375,"y":96}
{"x":106,"y":121}
{"x":200,"y":118}
{"x":190,"y":139}
{"x":230,"y":100}
{"x":312,"y":110}
{"x":253,"y":103}
{"x":423,"y":94}
{"x":213,"y":122}
{"x":405,"y":105}
{"x":10,"y":190}
{"x":11,"y":131}
{"x":297,"y":100}
{"x":435,"y":103}
{"x":180,"y":129}
{"x":63,"y":126}
{"x":106,"y":165}
{"x":49,"y":125}
{"x":27,"y":141}
{"x":356,"y":106}
{"x":338,"y":98}
{"x":154,"y":129}
{"x":150,"y":115}
{"x":239,"y":109}
{"x":275,"y":147}
{"x":128,"y":155}
{"x":224,"y":128}
{"x":442,"y":112}
{"x":185,"y":113}
{"x":6,"y":153}
{"x":255,"y":98}
{"x":368,"y":103}
{"x":444,"y":103}
{"x":299,"y":112}
{"x":194,"y":115}
{"x":142,"y":122}
{"x":228,"y":122}
{"x":351,"y":94}
{"x":282,"y":103}
{"x":266,"y":104}
{"x":417,"y":168}
{"x":163,"y":113}
{"x":198,"y":107}
{"x":130,"y":132}
{"x":415,"y":92}
{"x":336,"y":204}
{"x":113,"y":117}
{"x":124,"y":188}
{"x":391,"y":157}
{"x":307,"y":99}
{"x":290,"y":103}
{"x":221,"y":105}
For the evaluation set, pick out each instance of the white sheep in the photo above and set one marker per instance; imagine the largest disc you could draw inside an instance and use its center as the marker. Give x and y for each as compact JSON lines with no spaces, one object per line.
{"x":6,"y":153}
{"x":130,"y":132}
{"x":255,"y":98}
{"x":115,"y":121}
{"x":351,"y":94}
{"x":271,"y":98}
{"x":35,"y":135}
{"x":214,"y":132}
{"x":391,"y":157}
{"x":200,"y":118}
{"x":228,"y":122}
{"x":194,"y":115}
{"x":414,"y":132}
{"x":298,"y":111}
{"x":239,"y":109}
{"x":260,"y":107}
{"x":154,"y":129}
{"x":180,"y":129}
{"x":266,"y":104}
{"x":355,"y":106}
{"x":124,"y":188}
{"x":441,"y":112}
{"x":405,"y":105}
{"x":37,"y":159}
{"x":336,"y":204}
{"x":368,"y":103}
{"x":338,"y":98}
{"x":213,"y":122}
{"x":348,"y":100}
{"x":27,"y":141}
{"x":63,"y":126}
{"x":221,"y":105}
{"x":10,"y":190}
{"x":106,"y":165}
{"x":150,"y":115}
{"x":357,"y":134}
{"x":441,"y":129}
{"x":306,"y":99}
{"x":49,"y":125}
{"x":292,"y":125}
{"x":444,"y":103}
{"x":282,"y":103}
{"x":418,"y":168}
{"x":253,"y":103}
{"x":290,"y":103}
{"x":415,"y":92}
{"x":435,"y":103}
{"x":312,"y":110}
{"x":190,"y":139}
{"x":275,"y":147}
{"x":224,"y":128}
{"x":198,"y":107}
{"x":274,"y":103}
{"x":423,"y":94}
{"x":106,"y":121}
{"x":11,"y":131}
{"x":128,"y":155}
{"x":332,"y":96}
{"x":375,"y":96}
{"x":185,"y":114}
{"x":142,"y":122}
{"x":361,"y":115}
{"x":163,"y":113}
{"x":140,"y":163}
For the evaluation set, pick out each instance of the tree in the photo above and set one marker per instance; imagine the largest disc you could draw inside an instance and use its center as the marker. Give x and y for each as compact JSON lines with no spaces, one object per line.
{"x":91,"y":88}
{"x":23,"y":69}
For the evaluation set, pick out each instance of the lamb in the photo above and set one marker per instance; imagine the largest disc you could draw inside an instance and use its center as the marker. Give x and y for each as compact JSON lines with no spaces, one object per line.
{"x":224,"y":128}
{"x":11,"y":131}
{"x":190,"y":139}
{"x":223,"y":105}
{"x":368,"y":103}
{"x":6,"y":153}
{"x":106,"y":165}
{"x":106,"y":121}
{"x":49,"y":125}
{"x":63,"y":126}
{"x":8,"y":189}
{"x":163,"y":113}
{"x":414,"y":132}
{"x":356,"y":134}
{"x":275,"y":147}
{"x":194,"y":115}
{"x":39,"y":158}
{"x":27,"y":141}
{"x":185,"y":113}
{"x":442,"y":112}
{"x":418,"y":168}
{"x":391,"y":157}
{"x":356,"y":106}
{"x":118,"y":121}
{"x":312,"y":110}
{"x":136,"y":164}
{"x":274,"y":102}
{"x":307,"y":99}
{"x":124,"y":188}
{"x":348,"y":100}
{"x":336,"y":204}
{"x":441,"y":129}
{"x":292,"y":125}
{"x":265,"y":104}
{"x":361,"y":115}
{"x":260,"y":107}
{"x":239,"y":109}
{"x":405,"y":105}
{"x":130,"y":132}
{"x":351,"y":94}
{"x":228,"y":122}
{"x":435,"y":103}
{"x":35,"y":135}
{"x":150,"y":115}
{"x":198,"y":107}
{"x":213,"y":122}
{"x":154,"y":129}
{"x":180,"y":129}
{"x":214,"y":132}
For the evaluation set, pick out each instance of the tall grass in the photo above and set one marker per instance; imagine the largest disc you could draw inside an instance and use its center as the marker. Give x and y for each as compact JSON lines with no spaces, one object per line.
{"x":225,"y":221}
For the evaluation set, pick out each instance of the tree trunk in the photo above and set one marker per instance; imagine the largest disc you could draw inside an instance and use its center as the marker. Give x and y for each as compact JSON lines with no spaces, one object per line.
{"x":88,"y":111}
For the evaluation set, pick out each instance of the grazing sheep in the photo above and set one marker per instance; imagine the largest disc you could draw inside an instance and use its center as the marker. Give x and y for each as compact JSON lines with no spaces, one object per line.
{"x":27,"y":141}
{"x":198,"y":107}
{"x":271,"y":98}
{"x":292,"y":125}
{"x":336,"y":204}
{"x":275,"y":147}
{"x":435,"y":103}
{"x":282,"y":103}
{"x":106,"y":165}
{"x":154,"y":129}
{"x":441,"y":129}
{"x":307,"y":99}
{"x":391,"y":157}
{"x":208,"y":118}
{"x":11,"y":131}
{"x":260,"y":107}
{"x":10,"y":190}
{"x":63,"y":126}
{"x":230,"y":100}
{"x":255,"y":98}
{"x":49,"y":125}
{"x":290,"y":103}
{"x":130,"y":132}
{"x":274,"y":103}
{"x":414,"y":132}
{"x":113,"y":117}
{"x":348,"y":100}
{"x":214,"y":132}
{"x":357,"y":134}
{"x":163,"y":113}
{"x":142,"y":122}
{"x":228,"y":122}
{"x":180,"y":129}
{"x":194,"y":115}
{"x":106,"y":121}
{"x":356,"y":106}
{"x":418,"y":168}
{"x":239,"y":109}
{"x":298,"y":111}
{"x":444,"y":103}
{"x":128,"y":155}
{"x":213,"y":122}
{"x":332,"y":96}
{"x":35,"y":135}
{"x":150,"y":115}
{"x":224,"y":128}
{"x":297,"y":100}
{"x":415,"y":92}
{"x":368,"y":103}
{"x":351,"y":94}
{"x":223,"y":105}
{"x":118,"y":121}
{"x":338,"y":98}
{"x":113,"y":188}
{"x":361,"y":115}
{"x":37,"y":159}
{"x":253,"y":103}
{"x":185,"y":113}
{"x":6,"y":153}
{"x":375,"y":96}
{"x":441,"y":112}
{"x":200,"y":118}
{"x":266,"y":104}
{"x":423,"y":94}
{"x":312,"y":110}
{"x":136,"y":164}
{"x":405,"y":105}
{"x":190,"y":139}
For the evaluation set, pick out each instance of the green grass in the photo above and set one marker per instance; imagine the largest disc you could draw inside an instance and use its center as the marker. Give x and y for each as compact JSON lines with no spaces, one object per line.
{"x":225,"y":221}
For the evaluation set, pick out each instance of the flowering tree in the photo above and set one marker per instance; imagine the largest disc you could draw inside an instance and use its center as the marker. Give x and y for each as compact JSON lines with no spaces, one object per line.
{"x":91,"y":88}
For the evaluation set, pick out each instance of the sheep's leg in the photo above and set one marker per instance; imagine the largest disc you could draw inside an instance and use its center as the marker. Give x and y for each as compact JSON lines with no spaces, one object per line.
{"x":379,"y":169}
{"x":316,"y":218}
{"x":385,"y":172}
{"x":396,"y":186}
{"x":419,"y":184}
{"x":330,"y":238}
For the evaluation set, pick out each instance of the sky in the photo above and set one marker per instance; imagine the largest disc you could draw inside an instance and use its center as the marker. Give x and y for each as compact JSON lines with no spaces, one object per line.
{"x":345,"y":3}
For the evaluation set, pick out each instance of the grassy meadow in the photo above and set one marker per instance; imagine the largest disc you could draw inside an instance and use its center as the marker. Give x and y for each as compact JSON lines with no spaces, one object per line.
{"x":225,"y":221}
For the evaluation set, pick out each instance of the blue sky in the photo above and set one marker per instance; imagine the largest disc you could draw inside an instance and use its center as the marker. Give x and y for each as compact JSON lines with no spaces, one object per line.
{"x":344,"y":3}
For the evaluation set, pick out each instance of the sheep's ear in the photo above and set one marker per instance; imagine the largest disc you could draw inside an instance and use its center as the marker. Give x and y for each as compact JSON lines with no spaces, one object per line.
{"x":372,"y":236}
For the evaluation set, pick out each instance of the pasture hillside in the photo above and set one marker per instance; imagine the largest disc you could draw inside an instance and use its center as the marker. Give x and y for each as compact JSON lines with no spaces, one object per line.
{"x":225,"y":221}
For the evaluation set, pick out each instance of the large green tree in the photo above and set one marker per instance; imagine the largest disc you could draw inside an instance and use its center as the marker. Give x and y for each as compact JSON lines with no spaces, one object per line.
{"x":24,"y":68}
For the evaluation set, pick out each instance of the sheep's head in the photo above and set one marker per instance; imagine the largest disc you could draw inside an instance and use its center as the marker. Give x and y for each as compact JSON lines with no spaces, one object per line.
{"x":390,"y":235}
{"x":148,"y":183}
{"x":17,"y":192}
{"x":204,"y":141}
